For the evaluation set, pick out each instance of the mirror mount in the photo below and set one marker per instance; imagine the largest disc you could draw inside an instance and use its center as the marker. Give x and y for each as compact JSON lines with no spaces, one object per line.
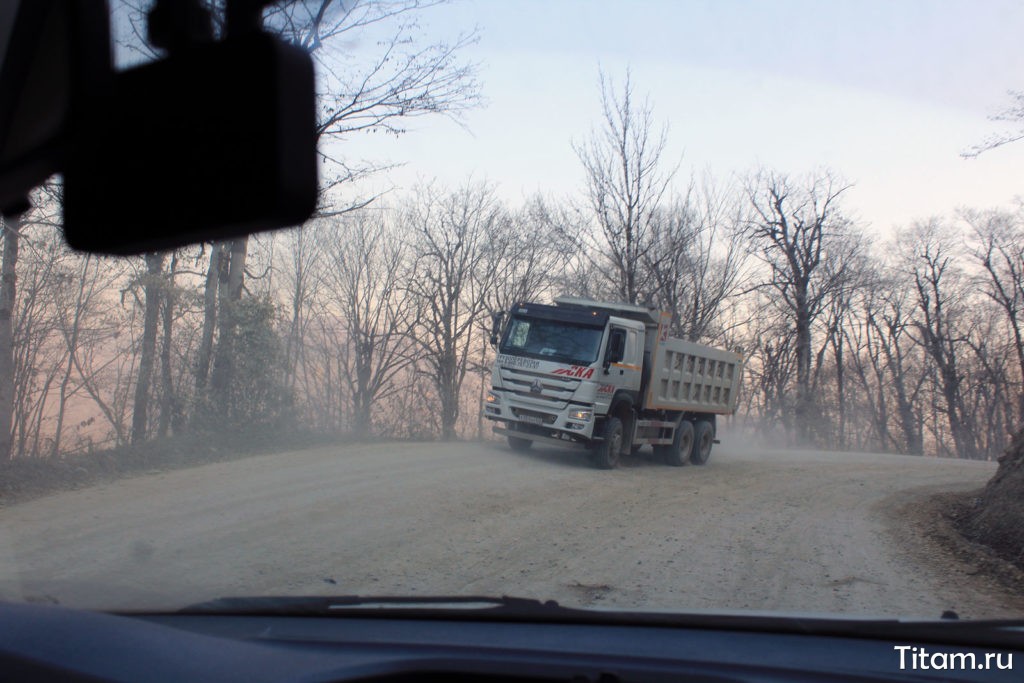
{"x":616,"y":348}
{"x":178,"y":25}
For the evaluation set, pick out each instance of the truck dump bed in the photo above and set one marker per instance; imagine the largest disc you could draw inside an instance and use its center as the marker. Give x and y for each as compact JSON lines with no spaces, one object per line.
{"x":686,"y":376}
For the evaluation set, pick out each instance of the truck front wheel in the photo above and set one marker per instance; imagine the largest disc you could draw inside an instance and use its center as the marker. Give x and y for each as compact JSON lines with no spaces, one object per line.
{"x":704,"y":436}
{"x":517,"y":444}
{"x":605,"y":455}
{"x":678,"y":452}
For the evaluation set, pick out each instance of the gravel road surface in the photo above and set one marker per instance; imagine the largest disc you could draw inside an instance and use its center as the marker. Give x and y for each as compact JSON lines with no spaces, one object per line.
{"x":752,"y":530}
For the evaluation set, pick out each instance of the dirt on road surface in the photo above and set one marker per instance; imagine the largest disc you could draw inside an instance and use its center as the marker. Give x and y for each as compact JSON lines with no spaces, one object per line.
{"x":753,"y":530}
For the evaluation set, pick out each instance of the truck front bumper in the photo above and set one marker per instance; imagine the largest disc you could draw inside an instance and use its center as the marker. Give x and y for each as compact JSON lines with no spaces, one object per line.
{"x":530,"y":419}
{"x":539,"y":438}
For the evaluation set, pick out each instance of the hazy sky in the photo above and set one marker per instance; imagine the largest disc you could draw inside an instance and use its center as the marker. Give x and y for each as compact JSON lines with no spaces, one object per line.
{"x":887,"y":93}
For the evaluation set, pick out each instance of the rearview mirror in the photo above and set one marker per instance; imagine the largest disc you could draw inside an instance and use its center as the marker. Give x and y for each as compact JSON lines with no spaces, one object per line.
{"x":216,"y":139}
{"x":496,"y":319}
{"x":226,"y":147}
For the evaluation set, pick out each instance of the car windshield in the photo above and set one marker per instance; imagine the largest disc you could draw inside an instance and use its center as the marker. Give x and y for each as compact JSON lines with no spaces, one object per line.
{"x":809,"y":213}
{"x":552,"y":340}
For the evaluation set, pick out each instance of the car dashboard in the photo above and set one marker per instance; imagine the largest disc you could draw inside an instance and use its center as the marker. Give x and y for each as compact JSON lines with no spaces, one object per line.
{"x":60,"y":644}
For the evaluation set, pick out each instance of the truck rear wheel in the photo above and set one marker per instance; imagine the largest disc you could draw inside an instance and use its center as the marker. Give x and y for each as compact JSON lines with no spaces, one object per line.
{"x":704,"y":437}
{"x":605,"y":454}
{"x":517,"y":444}
{"x":678,"y":452}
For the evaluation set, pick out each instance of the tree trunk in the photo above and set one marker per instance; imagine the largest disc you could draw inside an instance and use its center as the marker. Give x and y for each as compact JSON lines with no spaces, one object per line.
{"x":484,"y":386}
{"x":841,"y":390}
{"x":1018,"y":343}
{"x":963,"y":435}
{"x":151,"y":319}
{"x":202,"y":370}
{"x":168,"y":401}
{"x":361,"y":419}
{"x":911,"y":430}
{"x":803,"y":369}
{"x":8,"y":292}
{"x":362,"y":394}
{"x":229,"y":293}
{"x":71,"y":343}
{"x":448,"y":389}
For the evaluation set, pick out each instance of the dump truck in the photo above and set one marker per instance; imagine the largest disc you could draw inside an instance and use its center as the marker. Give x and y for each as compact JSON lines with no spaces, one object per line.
{"x":606,"y":378}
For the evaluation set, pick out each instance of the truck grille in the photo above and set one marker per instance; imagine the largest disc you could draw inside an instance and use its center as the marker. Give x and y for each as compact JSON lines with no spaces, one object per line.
{"x":533,"y":416}
{"x":554,"y":389}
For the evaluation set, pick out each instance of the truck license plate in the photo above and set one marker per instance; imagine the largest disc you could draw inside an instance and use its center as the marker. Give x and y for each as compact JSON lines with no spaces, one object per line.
{"x":532,"y":419}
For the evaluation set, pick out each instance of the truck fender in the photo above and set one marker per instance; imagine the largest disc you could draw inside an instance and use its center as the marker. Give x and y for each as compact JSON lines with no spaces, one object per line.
{"x":623,"y":403}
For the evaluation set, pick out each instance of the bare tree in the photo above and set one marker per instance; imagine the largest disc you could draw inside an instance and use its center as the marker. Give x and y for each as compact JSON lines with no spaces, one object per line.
{"x":299,"y":268}
{"x":888,"y":320}
{"x":171,"y":416}
{"x":14,"y":372}
{"x":695,"y":260}
{"x":402,"y":79}
{"x":377,"y":90}
{"x":366,"y":263}
{"x":83,"y":296}
{"x":560,"y":226}
{"x":152,"y":287}
{"x":626,"y":183}
{"x":801,"y":235}
{"x":939,"y":324}
{"x":230,"y":282}
{"x":37,"y":353}
{"x":528,"y":259}
{"x":453,"y":266}
{"x":868,"y":364}
{"x":832,"y":372}
{"x":526,"y":248}
{"x":1014,"y":114}
{"x":327,"y":400}
{"x":204,"y":355}
{"x":987,"y":367}
{"x":770,"y":367}
{"x":998,"y":246}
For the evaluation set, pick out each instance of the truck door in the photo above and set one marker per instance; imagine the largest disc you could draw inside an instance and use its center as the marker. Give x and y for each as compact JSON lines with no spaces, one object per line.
{"x":626,"y":366}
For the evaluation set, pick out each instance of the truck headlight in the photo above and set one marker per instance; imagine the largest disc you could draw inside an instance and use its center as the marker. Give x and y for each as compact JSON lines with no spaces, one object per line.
{"x":492,"y":399}
{"x":583,"y":414}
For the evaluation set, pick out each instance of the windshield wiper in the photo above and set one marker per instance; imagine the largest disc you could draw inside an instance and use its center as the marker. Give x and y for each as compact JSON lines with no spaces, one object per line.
{"x":381,"y":605}
{"x":1008,"y":632}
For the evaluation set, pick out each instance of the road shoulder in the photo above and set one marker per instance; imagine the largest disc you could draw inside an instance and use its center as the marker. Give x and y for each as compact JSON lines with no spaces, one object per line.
{"x":921,"y":523}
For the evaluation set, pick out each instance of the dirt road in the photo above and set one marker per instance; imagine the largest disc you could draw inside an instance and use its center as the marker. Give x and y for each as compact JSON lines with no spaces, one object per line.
{"x":762,"y":530}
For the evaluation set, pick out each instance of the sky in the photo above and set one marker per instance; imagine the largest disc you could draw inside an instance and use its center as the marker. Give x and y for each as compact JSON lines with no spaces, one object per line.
{"x":887,"y":94}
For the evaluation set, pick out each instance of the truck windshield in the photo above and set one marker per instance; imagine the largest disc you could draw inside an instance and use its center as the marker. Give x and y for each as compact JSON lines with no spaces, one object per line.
{"x":552,"y":340}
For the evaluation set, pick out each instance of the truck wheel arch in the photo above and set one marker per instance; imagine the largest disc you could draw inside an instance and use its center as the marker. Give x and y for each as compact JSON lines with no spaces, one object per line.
{"x":622,"y":405}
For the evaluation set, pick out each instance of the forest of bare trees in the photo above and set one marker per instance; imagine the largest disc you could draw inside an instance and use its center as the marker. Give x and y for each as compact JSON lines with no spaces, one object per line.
{"x":374,"y":322}
{"x":372,"y":319}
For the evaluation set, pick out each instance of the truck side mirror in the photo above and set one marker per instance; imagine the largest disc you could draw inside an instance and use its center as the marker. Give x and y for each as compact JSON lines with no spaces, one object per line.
{"x":616,"y":348}
{"x":496,"y":319}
